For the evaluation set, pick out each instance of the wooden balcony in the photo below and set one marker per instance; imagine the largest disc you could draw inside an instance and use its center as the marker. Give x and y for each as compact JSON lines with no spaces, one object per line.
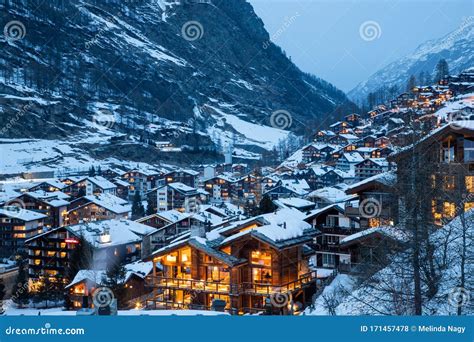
{"x":269,"y":289}
{"x":232,"y":289}
{"x":188,"y":284}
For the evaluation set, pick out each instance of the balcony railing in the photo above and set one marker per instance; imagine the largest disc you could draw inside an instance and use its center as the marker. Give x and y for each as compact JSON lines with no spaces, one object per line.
{"x":189,"y":284}
{"x":234,"y":289}
{"x":268,"y":289}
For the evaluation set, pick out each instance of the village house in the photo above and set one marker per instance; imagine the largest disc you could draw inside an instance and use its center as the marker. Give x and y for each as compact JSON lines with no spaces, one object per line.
{"x":347,"y":161}
{"x":243,"y":265}
{"x":324,"y":136}
{"x":370,"y":167}
{"x":220,"y":187}
{"x":333,"y":225}
{"x":141,"y":180}
{"x":176,"y":196}
{"x":49,"y":185}
{"x":81,"y":288}
{"x":330,"y":195}
{"x":97,"y":207}
{"x":16,"y":226}
{"x":288,"y":188}
{"x":52,"y":204}
{"x":169,"y":224}
{"x":377,"y":203}
{"x":448,"y":154}
{"x":110,"y":241}
{"x":187,"y":177}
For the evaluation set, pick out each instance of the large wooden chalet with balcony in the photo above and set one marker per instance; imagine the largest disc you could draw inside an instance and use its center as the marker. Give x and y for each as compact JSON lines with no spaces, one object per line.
{"x":244,"y":265}
{"x":446,"y":157}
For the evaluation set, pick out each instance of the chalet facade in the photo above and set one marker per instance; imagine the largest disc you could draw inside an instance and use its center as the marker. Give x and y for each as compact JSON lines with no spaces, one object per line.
{"x":187,"y":177}
{"x":16,"y":226}
{"x":447,"y":154}
{"x":97,"y":207}
{"x":110,"y":241}
{"x":51,"y":204}
{"x":370,"y":167}
{"x":240,"y":265}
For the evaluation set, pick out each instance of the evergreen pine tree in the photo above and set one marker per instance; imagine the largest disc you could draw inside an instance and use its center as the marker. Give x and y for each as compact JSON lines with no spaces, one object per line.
{"x":81,"y":192}
{"x":137,"y":206}
{"x":150,"y":207}
{"x":21,"y":294}
{"x":43,"y":292}
{"x":266,"y":205}
{"x":114,"y":279}
{"x":99,"y":171}
{"x":411,"y":83}
{"x":92,"y":171}
{"x":80,"y":259}
{"x":2,"y":295}
{"x":441,"y":70}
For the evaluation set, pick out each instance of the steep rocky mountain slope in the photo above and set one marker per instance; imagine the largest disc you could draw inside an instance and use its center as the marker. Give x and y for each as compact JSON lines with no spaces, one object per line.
{"x":457,"y":48}
{"x":187,"y":71}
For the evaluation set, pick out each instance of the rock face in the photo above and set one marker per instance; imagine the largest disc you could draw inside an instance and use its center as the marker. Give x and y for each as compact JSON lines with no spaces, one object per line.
{"x":456,"y":47}
{"x":149,"y":64}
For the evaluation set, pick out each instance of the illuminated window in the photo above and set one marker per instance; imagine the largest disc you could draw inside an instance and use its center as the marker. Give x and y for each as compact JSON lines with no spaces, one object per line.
{"x":447,"y":151}
{"x":373,"y":222}
{"x":449,"y":210}
{"x":468,"y":206}
{"x":226,"y":250}
{"x":262,"y":258}
{"x":37,"y":262}
{"x":468,"y":150}
{"x":262,"y":275}
{"x":449,"y":183}
{"x":470,"y":183}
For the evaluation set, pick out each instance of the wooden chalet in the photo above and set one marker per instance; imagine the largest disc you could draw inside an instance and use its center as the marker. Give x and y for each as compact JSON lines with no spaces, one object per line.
{"x":245,"y":265}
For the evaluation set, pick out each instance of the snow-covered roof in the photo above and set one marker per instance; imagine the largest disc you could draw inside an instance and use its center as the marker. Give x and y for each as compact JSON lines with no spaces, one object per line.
{"x":283,"y":225}
{"x":182,"y":187}
{"x":139,"y":268}
{"x":395,"y":233}
{"x":101,"y":182}
{"x":16,"y":212}
{"x":297,"y":186}
{"x":121,"y":231}
{"x":55,"y":199}
{"x":173,"y":216}
{"x":353,"y":157}
{"x":52,"y":182}
{"x":295,"y":202}
{"x":330,"y":194}
{"x":110,"y":202}
{"x":385,"y":178}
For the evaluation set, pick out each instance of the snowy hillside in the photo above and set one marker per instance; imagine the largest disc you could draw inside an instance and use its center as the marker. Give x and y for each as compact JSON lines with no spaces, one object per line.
{"x":188,"y":72}
{"x":389,"y":291}
{"x":456,"y":47}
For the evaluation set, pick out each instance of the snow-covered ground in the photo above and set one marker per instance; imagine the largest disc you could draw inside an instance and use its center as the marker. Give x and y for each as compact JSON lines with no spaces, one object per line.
{"x":389,"y":291}
{"x":11,"y":310}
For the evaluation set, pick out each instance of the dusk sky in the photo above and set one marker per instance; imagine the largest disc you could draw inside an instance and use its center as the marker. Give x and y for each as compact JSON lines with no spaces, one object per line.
{"x":322,"y":36}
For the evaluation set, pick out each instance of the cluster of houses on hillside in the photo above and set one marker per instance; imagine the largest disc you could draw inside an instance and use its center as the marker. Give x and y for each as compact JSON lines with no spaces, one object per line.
{"x":206,"y":240}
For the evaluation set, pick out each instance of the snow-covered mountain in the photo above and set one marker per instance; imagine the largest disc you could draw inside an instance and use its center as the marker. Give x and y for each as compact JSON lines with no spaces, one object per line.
{"x":457,"y":48}
{"x":193,"y":72}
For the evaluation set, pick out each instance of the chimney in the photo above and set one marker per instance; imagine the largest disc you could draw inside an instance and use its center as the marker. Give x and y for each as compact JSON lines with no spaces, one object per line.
{"x":284,"y":225}
{"x":104,"y":237}
{"x":198,"y":231}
